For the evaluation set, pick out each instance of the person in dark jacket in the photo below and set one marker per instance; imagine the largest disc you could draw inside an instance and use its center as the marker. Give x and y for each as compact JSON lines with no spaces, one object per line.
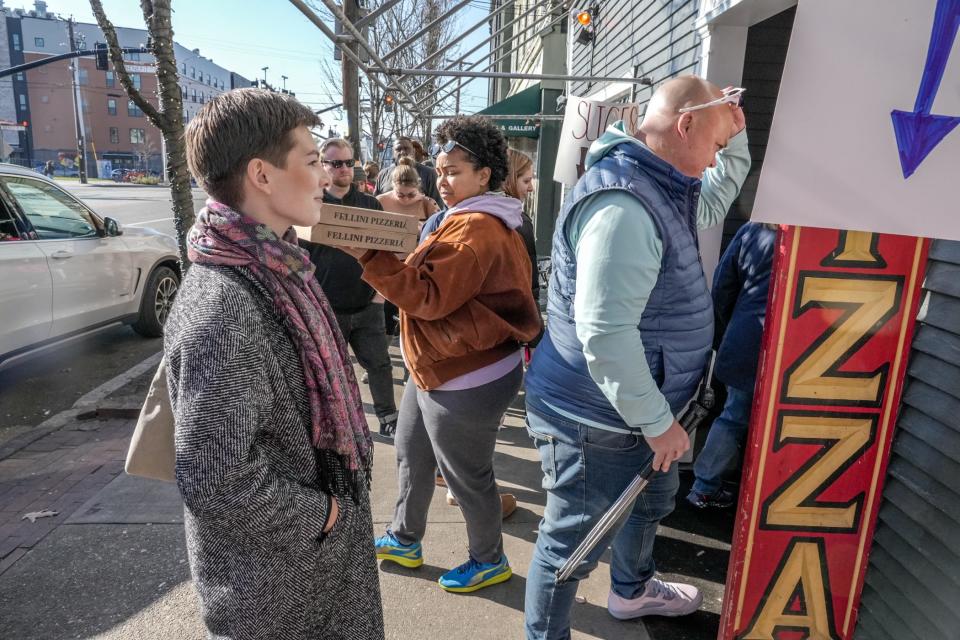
{"x":358,"y":307}
{"x":273,"y":454}
{"x":403,"y":148}
{"x":740,"y":287}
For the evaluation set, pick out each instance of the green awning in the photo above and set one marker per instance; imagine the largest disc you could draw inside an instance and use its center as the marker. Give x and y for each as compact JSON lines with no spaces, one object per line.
{"x":525,"y":103}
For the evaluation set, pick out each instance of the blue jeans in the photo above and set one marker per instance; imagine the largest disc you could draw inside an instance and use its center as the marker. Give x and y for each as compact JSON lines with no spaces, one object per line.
{"x":585,"y":470}
{"x":724,"y":441}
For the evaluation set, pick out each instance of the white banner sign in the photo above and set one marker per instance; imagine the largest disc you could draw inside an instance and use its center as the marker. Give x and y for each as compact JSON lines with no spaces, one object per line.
{"x":583,"y":122}
{"x":865,"y":135}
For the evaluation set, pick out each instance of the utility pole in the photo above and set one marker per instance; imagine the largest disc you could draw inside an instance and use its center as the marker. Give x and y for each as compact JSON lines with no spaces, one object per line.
{"x":264,"y":69}
{"x":351,"y":83}
{"x":284,"y":78}
{"x":77,"y":103}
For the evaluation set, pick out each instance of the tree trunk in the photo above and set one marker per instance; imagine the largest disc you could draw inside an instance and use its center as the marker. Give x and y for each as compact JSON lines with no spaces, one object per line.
{"x":169,"y":118}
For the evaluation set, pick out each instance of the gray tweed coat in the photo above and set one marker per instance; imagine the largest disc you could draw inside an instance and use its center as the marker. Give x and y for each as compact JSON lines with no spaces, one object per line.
{"x":256,"y":491}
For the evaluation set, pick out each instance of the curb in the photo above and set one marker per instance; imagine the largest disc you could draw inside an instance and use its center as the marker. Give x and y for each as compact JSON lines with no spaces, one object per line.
{"x":84,"y":408}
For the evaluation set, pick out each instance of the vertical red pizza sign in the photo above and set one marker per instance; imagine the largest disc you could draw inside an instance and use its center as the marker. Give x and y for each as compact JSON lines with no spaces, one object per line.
{"x":839,"y":324}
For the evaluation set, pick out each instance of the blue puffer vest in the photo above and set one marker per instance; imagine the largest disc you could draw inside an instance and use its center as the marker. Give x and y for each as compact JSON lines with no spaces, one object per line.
{"x":677,"y":325}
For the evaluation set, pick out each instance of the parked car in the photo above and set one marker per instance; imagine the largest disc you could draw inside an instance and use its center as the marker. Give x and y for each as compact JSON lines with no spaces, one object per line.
{"x":65,"y":270}
{"x":117,"y":175}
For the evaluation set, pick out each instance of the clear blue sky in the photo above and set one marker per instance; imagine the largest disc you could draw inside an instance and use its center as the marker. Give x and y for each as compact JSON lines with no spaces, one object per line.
{"x":251,"y":35}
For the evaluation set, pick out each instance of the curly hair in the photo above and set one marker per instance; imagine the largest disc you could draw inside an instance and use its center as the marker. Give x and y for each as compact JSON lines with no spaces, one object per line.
{"x":483,"y":139}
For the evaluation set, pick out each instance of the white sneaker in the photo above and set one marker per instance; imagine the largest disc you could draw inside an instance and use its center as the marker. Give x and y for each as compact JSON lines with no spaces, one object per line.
{"x":659,"y":598}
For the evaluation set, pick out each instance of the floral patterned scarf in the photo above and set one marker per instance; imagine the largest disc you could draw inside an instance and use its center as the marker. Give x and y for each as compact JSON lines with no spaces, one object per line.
{"x":222,"y":236}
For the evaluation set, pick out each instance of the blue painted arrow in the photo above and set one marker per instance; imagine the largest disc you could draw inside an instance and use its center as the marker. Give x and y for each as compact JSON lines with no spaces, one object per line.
{"x":917,"y":131}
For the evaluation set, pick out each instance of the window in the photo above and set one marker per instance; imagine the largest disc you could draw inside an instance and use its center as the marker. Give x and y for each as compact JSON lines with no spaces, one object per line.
{"x":20,"y":76}
{"x":135,"y":79}
{"x":133,"y":109}
{"x":82,"y":76}
{"x":193,"y":95}
{"x":23,"y":100}
{"x":111,"y":79}
{"x":193,"y":72}
{"x":16,"y":42}
{"x":208,"y":79}
{"x":137,"y":136}
{"x":53,"y":214}
{"x":114,"y":135}
{"x":38,"y":42}
{"x":112,"y":106}
{"x":183,"y":90}
{"x":202,"y":98}
{"x":183,"y":68}
{"x":133,"y":56}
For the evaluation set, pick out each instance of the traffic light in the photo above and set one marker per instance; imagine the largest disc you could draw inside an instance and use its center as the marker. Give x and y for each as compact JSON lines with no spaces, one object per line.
{"x":388,"y":102}
{"x":586,"y":19}
{"x":100,"y":51}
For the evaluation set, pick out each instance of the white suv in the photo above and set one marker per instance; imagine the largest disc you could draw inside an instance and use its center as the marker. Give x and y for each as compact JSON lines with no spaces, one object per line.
{"x":65,"y":270}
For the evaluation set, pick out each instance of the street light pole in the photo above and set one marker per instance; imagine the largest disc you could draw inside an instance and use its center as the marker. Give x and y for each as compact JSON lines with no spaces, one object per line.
{"x":284,"y":78}
{"x":264,"y":69}
{"x":77,"y":105}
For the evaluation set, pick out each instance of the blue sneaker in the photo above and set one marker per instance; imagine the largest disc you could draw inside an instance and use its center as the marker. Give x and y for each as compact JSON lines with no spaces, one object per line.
{"x":473,"y":575}
{"x":405,"y":555}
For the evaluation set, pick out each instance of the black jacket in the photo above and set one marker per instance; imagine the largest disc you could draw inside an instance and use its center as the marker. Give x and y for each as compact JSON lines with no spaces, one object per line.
{"x":339,"y":273}
{"x":428,"y":180}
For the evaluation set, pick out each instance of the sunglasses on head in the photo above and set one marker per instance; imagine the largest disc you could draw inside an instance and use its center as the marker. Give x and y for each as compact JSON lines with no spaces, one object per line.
{"x":733,"y":95}
{"x":449,"y":146}
{"x":337,"y":164}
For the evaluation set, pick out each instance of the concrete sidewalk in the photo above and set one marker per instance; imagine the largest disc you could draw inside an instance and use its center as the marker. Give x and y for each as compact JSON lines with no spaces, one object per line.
{"x":112,"y":563}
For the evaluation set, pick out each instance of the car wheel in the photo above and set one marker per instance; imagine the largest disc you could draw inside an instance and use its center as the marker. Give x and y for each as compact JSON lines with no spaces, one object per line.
{"x":157,"y":300}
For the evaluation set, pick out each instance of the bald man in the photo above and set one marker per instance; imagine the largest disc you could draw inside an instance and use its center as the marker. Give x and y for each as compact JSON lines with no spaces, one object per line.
{"x":622,"y":357}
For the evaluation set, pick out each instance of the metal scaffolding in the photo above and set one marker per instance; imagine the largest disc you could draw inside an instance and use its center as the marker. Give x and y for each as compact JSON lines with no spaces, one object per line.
{"x":397,"y":80}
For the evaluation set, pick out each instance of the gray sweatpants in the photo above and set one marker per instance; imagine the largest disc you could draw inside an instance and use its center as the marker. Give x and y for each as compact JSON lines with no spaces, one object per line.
{"x":455,"y":431}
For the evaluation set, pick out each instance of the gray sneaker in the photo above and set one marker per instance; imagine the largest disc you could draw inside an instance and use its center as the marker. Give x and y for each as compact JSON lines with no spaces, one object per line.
{"x":659,"y":598}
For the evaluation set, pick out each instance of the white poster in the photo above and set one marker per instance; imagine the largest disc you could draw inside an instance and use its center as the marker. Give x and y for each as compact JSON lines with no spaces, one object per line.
{"x":865,"y":133}
{"x":583,"y":122}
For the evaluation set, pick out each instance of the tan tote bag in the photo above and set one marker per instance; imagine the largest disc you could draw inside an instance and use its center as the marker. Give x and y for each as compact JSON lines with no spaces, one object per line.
{"x":151,"y":453}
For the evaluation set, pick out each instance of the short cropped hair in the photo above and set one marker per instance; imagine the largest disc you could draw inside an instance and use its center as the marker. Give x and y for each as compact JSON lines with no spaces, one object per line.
{"x":340,"y":143}
{"x":234,"y":128}
{"x":488,"y":147}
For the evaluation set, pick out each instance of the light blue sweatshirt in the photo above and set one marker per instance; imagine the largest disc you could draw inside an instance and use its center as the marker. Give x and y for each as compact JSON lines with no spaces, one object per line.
{"x":618,"y":260}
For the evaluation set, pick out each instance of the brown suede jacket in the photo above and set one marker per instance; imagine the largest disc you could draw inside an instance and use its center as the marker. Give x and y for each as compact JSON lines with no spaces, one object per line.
{"x":463,"y":294}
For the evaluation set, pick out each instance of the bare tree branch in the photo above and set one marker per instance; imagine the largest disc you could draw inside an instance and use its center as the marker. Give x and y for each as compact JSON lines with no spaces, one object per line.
{"x":169,"y":117}
{"x":116,"y":56}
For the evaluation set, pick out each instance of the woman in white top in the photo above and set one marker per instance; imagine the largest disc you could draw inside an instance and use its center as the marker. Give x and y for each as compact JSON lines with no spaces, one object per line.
{"x":407,"y":194}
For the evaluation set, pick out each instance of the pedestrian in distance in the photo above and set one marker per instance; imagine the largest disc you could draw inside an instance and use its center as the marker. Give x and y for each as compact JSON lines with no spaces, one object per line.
{"x":273,"y":454}
{"x":358,"y":308}
{"x":370,"y":170}
{"x":740,"y":287}
{"x":407,"y":196}
{"x":403,"y":148}
{"x":622,"y":357}
{"x":465,"y":309}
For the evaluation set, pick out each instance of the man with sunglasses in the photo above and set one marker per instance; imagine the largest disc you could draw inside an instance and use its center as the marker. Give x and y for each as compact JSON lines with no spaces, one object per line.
{"x":403,"y":148}
{"x":631,"y":326}
{"x":358,"y":308}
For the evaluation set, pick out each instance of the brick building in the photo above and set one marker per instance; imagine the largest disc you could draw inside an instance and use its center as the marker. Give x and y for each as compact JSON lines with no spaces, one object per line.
{"x":118,"y":134}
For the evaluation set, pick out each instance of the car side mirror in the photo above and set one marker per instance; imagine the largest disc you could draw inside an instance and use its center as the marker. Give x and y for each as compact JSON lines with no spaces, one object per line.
{"x":112,"y":227}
